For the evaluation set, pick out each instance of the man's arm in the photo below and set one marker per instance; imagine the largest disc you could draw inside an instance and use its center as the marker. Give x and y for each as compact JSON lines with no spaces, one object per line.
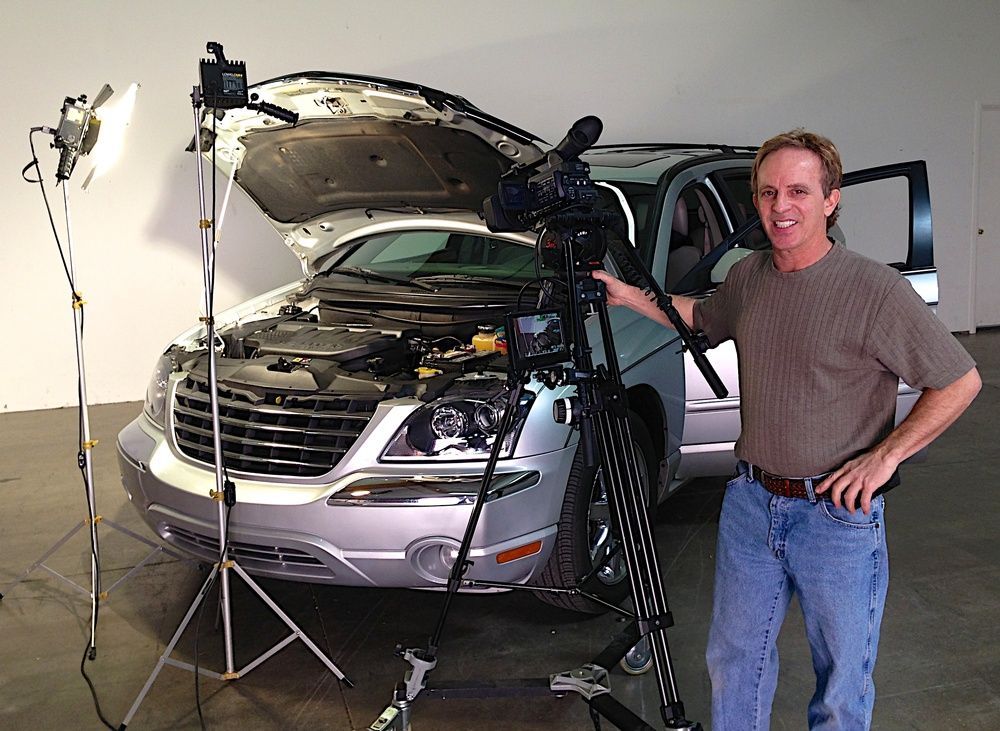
{"x":620,"y":293}
{"x":935,"y":411}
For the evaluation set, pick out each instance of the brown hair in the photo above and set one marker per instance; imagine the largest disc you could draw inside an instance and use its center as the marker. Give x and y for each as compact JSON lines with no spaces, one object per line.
{"x":820,"y":146}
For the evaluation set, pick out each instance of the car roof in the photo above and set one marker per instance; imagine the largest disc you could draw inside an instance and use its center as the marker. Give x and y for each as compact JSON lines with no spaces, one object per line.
{"x":647,"y":162}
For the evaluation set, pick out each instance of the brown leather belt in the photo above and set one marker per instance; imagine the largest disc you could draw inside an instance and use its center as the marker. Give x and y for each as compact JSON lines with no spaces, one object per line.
{"x":785,"y":486}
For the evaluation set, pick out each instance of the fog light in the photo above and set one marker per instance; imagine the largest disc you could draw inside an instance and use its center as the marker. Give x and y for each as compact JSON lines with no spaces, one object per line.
{"x":433,"y":558}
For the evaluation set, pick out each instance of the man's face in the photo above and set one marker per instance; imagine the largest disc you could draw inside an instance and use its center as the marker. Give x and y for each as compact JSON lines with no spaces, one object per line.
{"x":791,"y":203}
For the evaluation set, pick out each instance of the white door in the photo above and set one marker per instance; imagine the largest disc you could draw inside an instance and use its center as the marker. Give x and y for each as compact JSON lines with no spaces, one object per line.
{"x":987,"y":227}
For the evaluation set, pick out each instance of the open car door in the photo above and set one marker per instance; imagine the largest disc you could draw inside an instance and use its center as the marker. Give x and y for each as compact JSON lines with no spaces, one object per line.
{"x":884,"y":208}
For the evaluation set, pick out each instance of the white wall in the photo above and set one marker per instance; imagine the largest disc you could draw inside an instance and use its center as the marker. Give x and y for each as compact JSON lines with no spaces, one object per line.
{"x":887,"y":80}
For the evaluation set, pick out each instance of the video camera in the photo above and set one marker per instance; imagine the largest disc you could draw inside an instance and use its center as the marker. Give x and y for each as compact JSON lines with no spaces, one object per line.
{"x":560,"y":180}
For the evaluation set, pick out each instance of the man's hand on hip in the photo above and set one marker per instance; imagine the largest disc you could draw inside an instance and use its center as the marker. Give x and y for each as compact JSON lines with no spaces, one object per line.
{"x":854,"y":483}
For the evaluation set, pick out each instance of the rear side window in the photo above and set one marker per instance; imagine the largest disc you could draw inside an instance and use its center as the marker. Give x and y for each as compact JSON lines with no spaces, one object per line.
{"x":734,"y":186}
{"x":697,"y":227}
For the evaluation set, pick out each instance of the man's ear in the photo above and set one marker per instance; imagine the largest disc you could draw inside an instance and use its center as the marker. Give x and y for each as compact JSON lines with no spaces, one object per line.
{"x":829,"y":204}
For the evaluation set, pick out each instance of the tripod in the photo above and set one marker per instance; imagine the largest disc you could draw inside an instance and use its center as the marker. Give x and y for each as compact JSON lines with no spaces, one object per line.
{"x":85,"y":463}
{"x":600,"y":410}
{"x":224,"y":495}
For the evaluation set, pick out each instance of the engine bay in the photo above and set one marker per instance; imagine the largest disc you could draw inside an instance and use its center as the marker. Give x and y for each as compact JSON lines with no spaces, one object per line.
{"x":297,"y":350}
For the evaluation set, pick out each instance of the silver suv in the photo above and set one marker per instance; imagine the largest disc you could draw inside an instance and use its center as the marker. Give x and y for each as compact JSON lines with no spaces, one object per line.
{"x":359,"y":403}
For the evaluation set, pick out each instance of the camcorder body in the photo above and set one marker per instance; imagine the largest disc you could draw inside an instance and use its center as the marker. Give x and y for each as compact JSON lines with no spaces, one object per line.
{"x":555,"y":193}
{"x":529,"y":193}
{"x":521,"y":203}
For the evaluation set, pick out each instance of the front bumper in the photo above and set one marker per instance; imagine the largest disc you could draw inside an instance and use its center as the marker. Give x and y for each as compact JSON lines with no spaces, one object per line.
{"x":294,"y":531}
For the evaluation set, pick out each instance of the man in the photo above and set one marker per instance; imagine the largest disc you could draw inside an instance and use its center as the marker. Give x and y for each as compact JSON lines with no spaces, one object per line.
{"x":823,"y":334}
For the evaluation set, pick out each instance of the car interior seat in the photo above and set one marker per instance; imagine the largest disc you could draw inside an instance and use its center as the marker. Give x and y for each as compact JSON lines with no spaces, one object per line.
{"x":684,"y":251}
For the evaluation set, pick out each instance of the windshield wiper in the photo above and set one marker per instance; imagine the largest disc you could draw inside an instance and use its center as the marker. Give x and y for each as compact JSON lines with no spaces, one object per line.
{"x":366,"y":273}
{"x":467,"y":279}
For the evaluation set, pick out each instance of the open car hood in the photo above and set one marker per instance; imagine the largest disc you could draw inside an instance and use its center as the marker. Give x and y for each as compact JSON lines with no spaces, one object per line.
{"x":364,"y":150}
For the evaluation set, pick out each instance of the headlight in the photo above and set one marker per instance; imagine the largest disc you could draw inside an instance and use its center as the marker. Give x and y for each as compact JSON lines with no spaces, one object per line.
{"x":156,"y":391}
{"x":461,"y":428}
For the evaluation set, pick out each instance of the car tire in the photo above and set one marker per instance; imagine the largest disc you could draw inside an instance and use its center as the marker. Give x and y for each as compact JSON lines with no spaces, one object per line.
{"x":586,"y":532}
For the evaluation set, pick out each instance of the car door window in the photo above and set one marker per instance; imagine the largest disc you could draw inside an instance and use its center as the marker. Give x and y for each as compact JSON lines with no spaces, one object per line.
{"x":874,"y":220}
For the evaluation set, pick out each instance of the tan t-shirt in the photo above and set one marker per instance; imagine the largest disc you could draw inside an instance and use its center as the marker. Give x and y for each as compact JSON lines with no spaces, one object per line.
{"x":820,"y":352}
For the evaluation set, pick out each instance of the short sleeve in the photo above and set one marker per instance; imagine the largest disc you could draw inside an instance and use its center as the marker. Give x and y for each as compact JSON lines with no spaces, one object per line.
{"x":711,"y":316}
{"x":911,"y":342}
{"x":715,"y":315}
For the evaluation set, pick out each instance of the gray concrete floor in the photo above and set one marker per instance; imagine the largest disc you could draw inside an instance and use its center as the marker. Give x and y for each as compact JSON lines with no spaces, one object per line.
{"x":939,"y":665}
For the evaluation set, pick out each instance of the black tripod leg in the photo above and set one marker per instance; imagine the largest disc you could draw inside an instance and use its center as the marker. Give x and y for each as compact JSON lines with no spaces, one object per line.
{"x":629,"y":508}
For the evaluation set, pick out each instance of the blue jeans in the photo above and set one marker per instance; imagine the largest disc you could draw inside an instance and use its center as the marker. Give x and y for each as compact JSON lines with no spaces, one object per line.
{"x":769,"y":548}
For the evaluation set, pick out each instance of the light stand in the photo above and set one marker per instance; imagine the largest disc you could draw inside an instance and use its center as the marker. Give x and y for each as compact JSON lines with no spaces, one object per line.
{"x":225,"y":491}
{"x":75,"y":136}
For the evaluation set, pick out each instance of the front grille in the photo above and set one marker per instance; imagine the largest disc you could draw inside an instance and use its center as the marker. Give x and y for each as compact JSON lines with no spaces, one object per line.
{"x":281,"y":433}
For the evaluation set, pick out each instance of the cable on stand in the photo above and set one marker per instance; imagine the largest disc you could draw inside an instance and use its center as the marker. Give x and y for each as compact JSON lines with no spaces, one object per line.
{"x":573,"y":242}
{"x":224,"y":87}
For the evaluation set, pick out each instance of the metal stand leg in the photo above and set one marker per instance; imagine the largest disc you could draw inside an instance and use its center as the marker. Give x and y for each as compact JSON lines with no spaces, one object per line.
{"x":166,"y":659}
{"x":40,"y":563}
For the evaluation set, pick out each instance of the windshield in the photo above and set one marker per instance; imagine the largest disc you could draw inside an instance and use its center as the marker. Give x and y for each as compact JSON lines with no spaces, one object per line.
{"x":440,"y":254}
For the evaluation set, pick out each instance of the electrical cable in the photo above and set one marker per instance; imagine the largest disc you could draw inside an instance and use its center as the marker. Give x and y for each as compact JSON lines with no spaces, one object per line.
{"x":48,"y":207}
{"x":225,"y":473}
{"x":210,"y":284}
{"x":80,"y":457}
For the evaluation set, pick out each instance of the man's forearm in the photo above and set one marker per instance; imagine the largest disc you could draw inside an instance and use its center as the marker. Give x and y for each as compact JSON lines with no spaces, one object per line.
{"x":935,"y":411}
{"x":645,"y":305}
{"x":685,"y":306}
